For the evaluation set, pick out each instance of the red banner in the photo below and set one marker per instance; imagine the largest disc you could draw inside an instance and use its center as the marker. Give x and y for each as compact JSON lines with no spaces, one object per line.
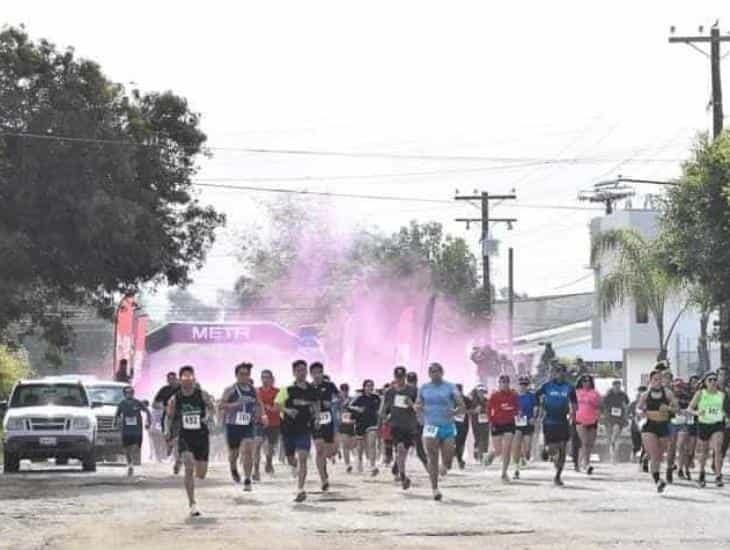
{"x":124,"y":332}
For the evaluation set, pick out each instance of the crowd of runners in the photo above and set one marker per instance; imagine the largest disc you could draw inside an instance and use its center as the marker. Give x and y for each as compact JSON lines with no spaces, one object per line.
{"x":673,"y":421}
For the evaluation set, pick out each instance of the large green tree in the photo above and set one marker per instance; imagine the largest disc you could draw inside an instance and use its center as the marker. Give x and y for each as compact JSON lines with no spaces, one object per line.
{"x":95,"y":186}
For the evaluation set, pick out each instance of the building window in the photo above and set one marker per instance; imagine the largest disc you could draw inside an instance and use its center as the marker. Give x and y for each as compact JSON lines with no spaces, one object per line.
{"x":642,"y":314}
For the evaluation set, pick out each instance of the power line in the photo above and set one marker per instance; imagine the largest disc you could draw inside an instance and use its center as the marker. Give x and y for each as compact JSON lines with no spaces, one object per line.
{"x":351,"y":154}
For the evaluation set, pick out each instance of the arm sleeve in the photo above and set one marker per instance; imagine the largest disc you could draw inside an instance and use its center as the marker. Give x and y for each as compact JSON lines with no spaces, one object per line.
{"x":281,"y":397}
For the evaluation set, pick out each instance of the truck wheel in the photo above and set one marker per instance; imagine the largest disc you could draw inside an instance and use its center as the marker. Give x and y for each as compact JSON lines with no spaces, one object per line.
{"x":11,"y":463}
{"x":88,"y":462}
{"x":61,"y":461}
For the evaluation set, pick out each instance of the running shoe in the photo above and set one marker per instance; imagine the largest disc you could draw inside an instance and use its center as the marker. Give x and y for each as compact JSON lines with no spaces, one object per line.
{"x":406,"y":483}
{"x":349,"y":469}
{"x":719,"y":482}
{"x":660,"y":486}
{"x":247,"y":485}
{"x":301,"y":496}
{"x":558,"y":482}
{"x":194,"y":512}
{"x":235,"y":476}
{"x":437,"y":496}
{"x":505,"y":478}
{"x":670,"y":476}
{"x":517,"y":475}
{"x":326,"y":486}
{"x":701,"y":481}
{"x":374,"y":472}
{"x":256,"y":476}
{"x":589,"y":471}
{"x":130,"y":471}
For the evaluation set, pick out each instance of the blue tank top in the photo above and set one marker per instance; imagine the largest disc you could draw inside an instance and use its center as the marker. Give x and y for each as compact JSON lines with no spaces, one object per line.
{"x":439,"y":401}
{"x":247,"y":396}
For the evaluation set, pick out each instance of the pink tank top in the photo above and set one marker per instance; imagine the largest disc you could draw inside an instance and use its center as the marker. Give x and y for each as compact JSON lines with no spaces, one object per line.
{"x":589,"y":406}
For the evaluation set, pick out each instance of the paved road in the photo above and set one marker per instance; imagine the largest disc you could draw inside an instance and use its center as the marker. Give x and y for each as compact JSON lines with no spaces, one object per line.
{"x":616,"y":508}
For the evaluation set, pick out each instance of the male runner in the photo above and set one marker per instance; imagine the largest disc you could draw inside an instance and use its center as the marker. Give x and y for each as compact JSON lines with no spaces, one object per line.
{"x":129,"y":417}
{"x":439,"y":401}
{"x":241,"y":408}
{"x":299,"y":407}
{"x":398,"y":411}
{"x":615,"y":413}
{"x":324,"y":435}
{"x":267,"y":394}
{"x":189,"y":410}
{"x":159,"y":403}
{"x":558,"y":400}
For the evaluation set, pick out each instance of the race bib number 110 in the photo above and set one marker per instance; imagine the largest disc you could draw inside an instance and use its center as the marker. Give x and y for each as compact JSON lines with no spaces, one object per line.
{"x":430,"y":431}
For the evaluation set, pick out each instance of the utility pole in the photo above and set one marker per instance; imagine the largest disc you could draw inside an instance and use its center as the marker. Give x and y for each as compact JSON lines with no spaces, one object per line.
{"x":511,"y":300}
{"x":485,"y":220}
{"x":717,"y":123}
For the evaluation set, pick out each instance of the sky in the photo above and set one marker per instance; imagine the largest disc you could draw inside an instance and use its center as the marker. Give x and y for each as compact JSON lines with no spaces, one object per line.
{"x":594,"y":85}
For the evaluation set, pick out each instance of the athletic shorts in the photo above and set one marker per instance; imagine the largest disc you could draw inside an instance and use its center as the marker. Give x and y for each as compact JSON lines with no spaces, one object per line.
{"x":197,"y":443}
{"x":525,"y":430}
{"x":236,"y":433}
{"x":593,"y":426}
{"x":660,"y":429}
{"x":347,"y":428}
{"x":613,"y":421}
{"x":706,"y":431}
{"x":362,"y":429}
{"x":326,"y":432}
{"x":556,"y":433}
{"x":271,"y":435}
{"x":133,"y":439}
{"x":297,"y":442}
{"x":404,"y":436}
{"x":442,"y":433}
{"x":501,"y":429}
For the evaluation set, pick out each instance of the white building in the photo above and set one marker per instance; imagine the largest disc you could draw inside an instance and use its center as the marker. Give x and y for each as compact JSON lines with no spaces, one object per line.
{"x":634,"y":332}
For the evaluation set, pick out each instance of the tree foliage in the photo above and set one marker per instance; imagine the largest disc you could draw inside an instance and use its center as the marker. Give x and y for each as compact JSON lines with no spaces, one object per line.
{"x":186,"y":307}
{"x":13,"y":366}
{"x":85,"y":218}
{"x":637,"y":270}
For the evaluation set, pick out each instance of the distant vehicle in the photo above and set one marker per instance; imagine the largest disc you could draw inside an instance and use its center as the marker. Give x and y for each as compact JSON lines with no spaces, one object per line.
{"x":105,"y":396}
{"x":49,"y":418}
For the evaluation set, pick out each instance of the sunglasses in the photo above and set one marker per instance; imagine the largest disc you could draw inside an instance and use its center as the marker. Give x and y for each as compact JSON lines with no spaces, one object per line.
{"x":524,"y":383}
{"x":712,"y":379}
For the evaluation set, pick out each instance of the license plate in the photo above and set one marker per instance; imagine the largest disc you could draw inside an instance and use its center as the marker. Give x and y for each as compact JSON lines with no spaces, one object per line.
{"x":47,"y":441}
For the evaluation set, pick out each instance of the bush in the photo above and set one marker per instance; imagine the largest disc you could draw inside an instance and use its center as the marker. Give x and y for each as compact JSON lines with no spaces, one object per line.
{"x":13,"y":366}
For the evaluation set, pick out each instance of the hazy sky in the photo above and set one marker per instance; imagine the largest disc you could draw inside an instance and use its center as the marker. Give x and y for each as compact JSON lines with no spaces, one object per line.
{"x":549,"y":80}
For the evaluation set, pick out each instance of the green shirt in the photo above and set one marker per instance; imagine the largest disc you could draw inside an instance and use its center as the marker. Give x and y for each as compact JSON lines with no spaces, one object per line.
{"x":711,"y":407}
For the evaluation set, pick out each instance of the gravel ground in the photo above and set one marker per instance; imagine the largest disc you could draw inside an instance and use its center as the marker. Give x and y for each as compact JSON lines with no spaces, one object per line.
{"x":615,"y":508}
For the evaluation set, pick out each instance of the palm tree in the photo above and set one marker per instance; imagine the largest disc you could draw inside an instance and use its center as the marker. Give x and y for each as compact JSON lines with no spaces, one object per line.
{"x":637,"y":272}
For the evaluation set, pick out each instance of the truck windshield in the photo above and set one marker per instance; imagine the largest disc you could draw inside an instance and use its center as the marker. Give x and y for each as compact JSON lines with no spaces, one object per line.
{"x":38,"y":395}
{"x":109,"y":395}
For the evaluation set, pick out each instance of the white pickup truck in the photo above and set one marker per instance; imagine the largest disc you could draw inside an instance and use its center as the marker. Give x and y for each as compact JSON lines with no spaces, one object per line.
{"x":49,"y":418}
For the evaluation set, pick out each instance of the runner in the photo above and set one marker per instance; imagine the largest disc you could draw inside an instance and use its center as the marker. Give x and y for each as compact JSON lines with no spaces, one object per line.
{"x":615,"y":414}
{"x":682,"y":423}
{"x":558,"y":401}
{"x":129,"y":417}
{"x":462,"y":428}
{"x":398,"y":411}
{"x":709,"y":405}
{"x":189,"y":411}
{"x":324,"y":435}
{"x":241,"y":410}
{"x":524,"y":424}
{"x":412,"y":381}
{"x":366,"y":408}
{"x":298,"y":405}
{"x":439,"y":401}
{"x":723,"y":384}
{"x":504,"y":407}
{"x":347,"y":427}
{"x":480,"y":422}
{"x":694,"y":426}
{"x":587,"y":414}
{"x":159,"y":403}
{"x":656,"y":405}
{"x":271,"y":429}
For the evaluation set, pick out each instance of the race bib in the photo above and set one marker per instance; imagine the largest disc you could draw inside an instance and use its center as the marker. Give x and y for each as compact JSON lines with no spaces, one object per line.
{"x":690,"y":420}
{"x":483,"y":418}
{"x":191,"y":421}
{"x":243,"y":418}
{"x":401,"y":401}
{"x":520,"y":421}
{"x":325,"y":418}
{"x":430,"y":431}
{"x":459,"y":418}
{"x":617,"y":412}
{"x":679,"y":420}
{"x":130,"y":420}
{"x":347,"y":418}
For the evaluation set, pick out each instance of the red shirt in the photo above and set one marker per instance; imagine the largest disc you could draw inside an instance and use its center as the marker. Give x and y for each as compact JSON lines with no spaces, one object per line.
{"x":503,"y":407}
{"x":267,"y":396}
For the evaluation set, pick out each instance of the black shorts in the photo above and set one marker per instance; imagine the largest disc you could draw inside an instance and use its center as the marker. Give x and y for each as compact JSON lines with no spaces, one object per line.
{"x":326,"y":432}
{"x":362,"y":429}
{"x":501,"y":429}
{"x":556,"y":433}
{"x":236,"y":433}
{"x":706,"y":431}
{"x":525,"y":430}
{"x":347,"y":428}
{"x":197,"y":443}
{"x":659,"y":429}
{"x":405,"y":436}
{"x":297,"y":442}
{"x":133,"y":439}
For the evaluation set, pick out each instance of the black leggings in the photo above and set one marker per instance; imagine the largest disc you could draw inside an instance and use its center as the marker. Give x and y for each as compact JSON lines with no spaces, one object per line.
{"x":462,"y":430}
